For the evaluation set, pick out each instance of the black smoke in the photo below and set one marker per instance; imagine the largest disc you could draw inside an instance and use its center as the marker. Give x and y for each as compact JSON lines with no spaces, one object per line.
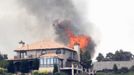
{"x":55,"y":15}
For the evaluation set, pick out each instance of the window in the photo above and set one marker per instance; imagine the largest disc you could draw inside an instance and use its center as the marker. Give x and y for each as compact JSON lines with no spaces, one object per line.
{"x":44,"y":52}
{"x":41,"y":61}
{"x":45,"y":62}
{"x":64,"y":51}
{"x":26,"y":53}
{"x":71,"y":55}
{"x":55,"y":60}
{"x":74,"y":55}
{"x":48,"y":61}
{"x":52,"y":61}
{"x":58,"y":51}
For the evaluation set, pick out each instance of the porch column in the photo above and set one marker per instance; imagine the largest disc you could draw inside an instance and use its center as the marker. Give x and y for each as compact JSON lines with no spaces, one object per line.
{"x":72,"y":69}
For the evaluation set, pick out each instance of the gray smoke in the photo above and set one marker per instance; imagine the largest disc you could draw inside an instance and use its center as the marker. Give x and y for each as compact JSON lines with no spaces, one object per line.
{"x":62,"y":28}
{"x":49,"y":13}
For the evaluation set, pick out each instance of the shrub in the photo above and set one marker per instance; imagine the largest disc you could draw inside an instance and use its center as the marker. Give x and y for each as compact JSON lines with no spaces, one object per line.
{"x":60,"y":73}
{"x":124,"y":70}
{"x":35,"y":73}
{"x":2,"y":71}
{"x":3,"y":63}
{"x":132,"y":68}
{"x":11,"y":67}
{"x":107,"y":70}
{"x":24,"y":66}
{"x":35,"y":64}
{"x":115,"y":68}
{"x":40,"y":73}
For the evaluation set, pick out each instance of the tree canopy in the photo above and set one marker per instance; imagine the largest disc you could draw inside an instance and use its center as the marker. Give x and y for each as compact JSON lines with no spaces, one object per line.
{"x":115,"y":68}
{"x":117,"y":56}
{"x":100,"y":57}
{"x":86,"y":60}
{"x":3,"y":62}
{"x":23,"y":66}
{"x":55,"y":68}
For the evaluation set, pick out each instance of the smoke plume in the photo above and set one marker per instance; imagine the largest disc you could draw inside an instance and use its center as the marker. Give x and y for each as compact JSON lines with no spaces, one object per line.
{"x":54,"y":17}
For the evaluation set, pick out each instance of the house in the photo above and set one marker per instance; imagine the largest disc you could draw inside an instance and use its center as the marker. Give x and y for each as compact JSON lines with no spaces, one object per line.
{"x":50,"y":53}
{"x":99,"y":66}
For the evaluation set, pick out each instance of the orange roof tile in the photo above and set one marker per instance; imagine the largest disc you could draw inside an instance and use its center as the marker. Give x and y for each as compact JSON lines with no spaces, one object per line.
{"x":44,"y":44}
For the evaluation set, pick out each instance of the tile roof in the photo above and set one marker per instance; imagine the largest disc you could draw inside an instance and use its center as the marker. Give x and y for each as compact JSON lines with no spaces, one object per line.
{"x":44,"y":44}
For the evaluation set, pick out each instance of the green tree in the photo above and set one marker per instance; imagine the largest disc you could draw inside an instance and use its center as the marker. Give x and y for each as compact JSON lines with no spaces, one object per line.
{"x":119,"y":55}
{"x":35,"y":64}
{"x":115,"y":68}
{"x":100,"y":57}
{"x":55,"y":68}
{"x":11,"y":67}
{"x":86,"y":61}
{"x":24,"y":67}
{"x":3,"y":63}
{"x":2,"y":57}
{"x":5,"y":56}
{"x":122,"y":56}
{"x":110,"y":56}
{"x":2,"y":71}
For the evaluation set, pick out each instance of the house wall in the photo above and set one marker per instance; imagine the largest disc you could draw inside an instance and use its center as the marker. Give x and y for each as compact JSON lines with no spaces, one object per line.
{"x":65,"y":54}
{"x":29,"y":53}
{"x":109,"y":64}
{"x":68,"y":54}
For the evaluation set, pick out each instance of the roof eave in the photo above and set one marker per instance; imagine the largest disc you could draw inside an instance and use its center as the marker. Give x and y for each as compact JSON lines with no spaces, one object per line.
{"x":44,"y":49}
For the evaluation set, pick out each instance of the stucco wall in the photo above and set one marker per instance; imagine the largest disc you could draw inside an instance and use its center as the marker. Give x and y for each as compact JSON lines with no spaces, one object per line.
{"x":109,"y":64}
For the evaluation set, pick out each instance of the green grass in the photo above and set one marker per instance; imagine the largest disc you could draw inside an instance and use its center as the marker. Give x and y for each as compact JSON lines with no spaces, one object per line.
{"x":110,"y":73}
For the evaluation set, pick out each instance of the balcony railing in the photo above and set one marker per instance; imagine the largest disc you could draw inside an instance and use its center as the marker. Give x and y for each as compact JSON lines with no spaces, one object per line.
{"x":25,"y":57}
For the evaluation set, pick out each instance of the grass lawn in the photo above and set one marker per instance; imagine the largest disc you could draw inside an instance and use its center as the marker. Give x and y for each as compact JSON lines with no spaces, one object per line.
{"x":110,"y":73}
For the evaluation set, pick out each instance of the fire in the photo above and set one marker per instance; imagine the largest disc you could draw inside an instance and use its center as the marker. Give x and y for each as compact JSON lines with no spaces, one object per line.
{"x":83,"y":40}
{"x":66,"y":26}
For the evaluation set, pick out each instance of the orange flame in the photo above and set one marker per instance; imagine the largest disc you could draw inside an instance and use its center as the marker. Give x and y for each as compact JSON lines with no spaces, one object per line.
{"x":83,"y":40}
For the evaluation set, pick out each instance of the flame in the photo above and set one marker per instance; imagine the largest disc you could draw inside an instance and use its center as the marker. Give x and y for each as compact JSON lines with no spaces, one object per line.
{"x":82,"y":40}
{"x":73,"y":38}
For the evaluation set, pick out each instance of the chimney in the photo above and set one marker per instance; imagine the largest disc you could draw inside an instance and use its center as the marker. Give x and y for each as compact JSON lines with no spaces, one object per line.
{"x":22,"y":44}
{"x":77,"y":48}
